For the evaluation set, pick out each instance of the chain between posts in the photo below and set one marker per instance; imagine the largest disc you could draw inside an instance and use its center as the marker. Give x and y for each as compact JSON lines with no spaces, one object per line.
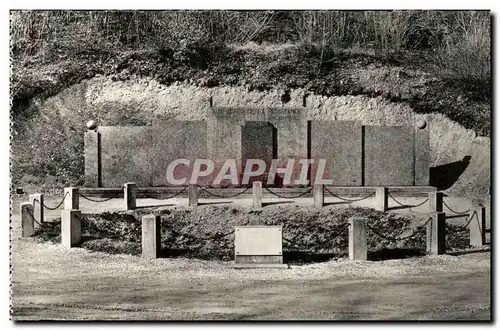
{"x":453,"y":211}
{"x":346,"y":199}
{"x":411,"y":206}
{"x":224,"y":196}
{"x":100,"y":200}
{"x":396,"y":239}
{"x":95,"y":200}
{"x":290,"y":197}
{"x":474,"y":214}
{"x":51,"y":208}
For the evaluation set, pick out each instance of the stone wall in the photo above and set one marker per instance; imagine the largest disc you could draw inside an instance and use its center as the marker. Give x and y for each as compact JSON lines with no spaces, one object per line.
{"x":142,"y":101}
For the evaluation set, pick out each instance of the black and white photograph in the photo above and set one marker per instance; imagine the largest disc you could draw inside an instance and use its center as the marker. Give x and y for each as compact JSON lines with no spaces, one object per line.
{"x":250,"y":165}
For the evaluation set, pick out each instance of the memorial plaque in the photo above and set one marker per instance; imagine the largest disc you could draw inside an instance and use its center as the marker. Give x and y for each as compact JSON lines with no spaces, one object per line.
{"x":258,"y":244}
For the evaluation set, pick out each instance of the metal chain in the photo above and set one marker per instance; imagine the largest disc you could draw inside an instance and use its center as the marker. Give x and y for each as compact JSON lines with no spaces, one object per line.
{"x":224,"y":196}
{"x":474,"y":214}
{"x":453,"y":211}
{"x":346,"y":199}
{"x":395,"y":239}
{"x":291,"y":197}
{"x":293,"y":244}
{"x":411,"y":206}
{"x":95,"y":200}
{"x":51,"y":208}
{"x":174,"y":195}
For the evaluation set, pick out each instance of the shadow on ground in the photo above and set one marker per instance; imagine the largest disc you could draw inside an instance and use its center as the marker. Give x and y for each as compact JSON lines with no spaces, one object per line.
{"x":303,"y":257}
{"x":396,"y":253}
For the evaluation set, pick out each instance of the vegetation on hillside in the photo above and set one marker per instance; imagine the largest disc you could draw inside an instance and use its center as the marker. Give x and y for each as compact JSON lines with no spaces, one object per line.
{"x":314,"y":50}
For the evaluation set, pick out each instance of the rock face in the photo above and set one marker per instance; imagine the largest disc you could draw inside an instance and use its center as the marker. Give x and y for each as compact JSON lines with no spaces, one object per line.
{"x":456,"y":153}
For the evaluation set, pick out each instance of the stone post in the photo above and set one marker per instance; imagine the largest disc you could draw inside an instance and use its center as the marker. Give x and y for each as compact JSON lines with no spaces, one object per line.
{"x":27,"y":222}
{"x":129,"y":195}
{"x":37,"y":200}
{"x":357,"y":238}
{"x":71,"y":198}
{"x":257,"y":194}
{"x":436,"y":229}
{"x":477,"y":227}
{"x":193,"y":195}
{"x":435,"y":202}
{"x":319,"y":195}
{"x":382,"y":199}
{"x":151,"y":236}
{"x":71,"y":228}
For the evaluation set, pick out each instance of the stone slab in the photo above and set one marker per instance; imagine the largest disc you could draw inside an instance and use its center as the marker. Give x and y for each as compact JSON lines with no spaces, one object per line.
{"x":389,"y":156}
{"x":258,"y":241}
{"x":125,"y":155}
{"x":340,"y":143}
{"x":175,"y":139}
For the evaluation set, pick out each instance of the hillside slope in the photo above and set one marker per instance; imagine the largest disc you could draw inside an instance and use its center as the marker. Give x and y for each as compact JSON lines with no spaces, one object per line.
{"x":365,"y":91}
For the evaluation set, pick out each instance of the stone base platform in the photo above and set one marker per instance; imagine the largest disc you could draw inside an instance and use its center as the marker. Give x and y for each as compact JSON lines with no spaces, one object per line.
{"x":255,"y":265}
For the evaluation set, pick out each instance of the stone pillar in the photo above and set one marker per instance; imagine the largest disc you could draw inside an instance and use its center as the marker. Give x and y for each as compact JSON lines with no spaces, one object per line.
{"x":477,"y":227}
{"x":193,"y":195}
{"x":27,"y":222}
{"x":92,"y":156}
{"x":151,"y":236}
{"x":436,"y":229}
{"x":319,"y":195}
{"x":71,"y":228}
{"x":71,"y":198}
{"x":129,"y":195}
{"x":381,"y":199}
{"x":357,"y":238}
{"x":37,"y":200}
{"x":257,"y":194}
{"x":435,"y":202}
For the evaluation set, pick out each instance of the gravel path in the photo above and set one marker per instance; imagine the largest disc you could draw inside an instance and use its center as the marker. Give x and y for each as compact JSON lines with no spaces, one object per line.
{"x":52,"y":282}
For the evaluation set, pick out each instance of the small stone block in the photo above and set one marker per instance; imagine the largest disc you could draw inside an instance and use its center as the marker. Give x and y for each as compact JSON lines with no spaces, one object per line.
{"x":257,"y":194}
{"x":319,"y":195}
{"x":71,"y":228}
{"x":381,"y":199}
{"x":27,"y":222}
{"x":37,"y":200}
{"x":193,"y":195}
{"x":477,"y":225}
{"x":436,"y":202}
{"x":71,"y":198}
{"x":151,"y":236}
{"x":357,"y":238}
{"x":436,"y":230}
{"x":129,"y":195}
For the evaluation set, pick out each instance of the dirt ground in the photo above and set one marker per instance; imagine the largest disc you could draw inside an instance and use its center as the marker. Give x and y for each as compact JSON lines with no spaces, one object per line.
{"x":52,"y":282}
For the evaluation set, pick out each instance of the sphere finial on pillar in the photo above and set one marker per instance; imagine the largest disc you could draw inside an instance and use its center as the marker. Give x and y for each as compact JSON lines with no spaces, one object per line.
{"x":91,"y":124}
